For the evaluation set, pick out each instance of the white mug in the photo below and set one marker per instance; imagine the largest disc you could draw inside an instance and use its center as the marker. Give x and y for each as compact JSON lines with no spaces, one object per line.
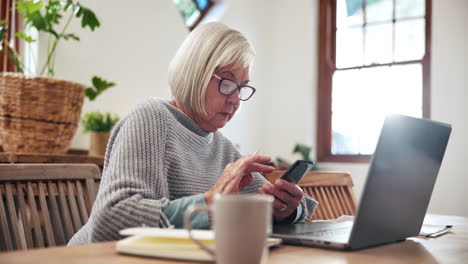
{"x":241,"y":224}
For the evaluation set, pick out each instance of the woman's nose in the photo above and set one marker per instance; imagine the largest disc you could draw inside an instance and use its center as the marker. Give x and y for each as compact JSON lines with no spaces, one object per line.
{"x":234,"y":98}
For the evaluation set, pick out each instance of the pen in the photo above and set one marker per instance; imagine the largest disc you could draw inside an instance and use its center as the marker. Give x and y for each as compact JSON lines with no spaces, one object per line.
{"x":257,"y":151}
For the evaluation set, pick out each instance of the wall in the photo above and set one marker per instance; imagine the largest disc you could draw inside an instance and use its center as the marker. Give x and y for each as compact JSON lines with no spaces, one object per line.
{"x":449,"y":96}
{"x":136,"y":42}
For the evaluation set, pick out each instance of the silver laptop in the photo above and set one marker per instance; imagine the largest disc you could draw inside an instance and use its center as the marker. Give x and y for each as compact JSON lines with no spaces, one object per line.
{"x":399,"y":185}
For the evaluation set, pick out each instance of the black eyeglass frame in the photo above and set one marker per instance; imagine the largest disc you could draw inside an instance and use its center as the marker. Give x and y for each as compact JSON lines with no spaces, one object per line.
{"x":239,"y":87}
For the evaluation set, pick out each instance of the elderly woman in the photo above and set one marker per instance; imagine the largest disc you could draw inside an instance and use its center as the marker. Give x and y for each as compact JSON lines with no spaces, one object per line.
{"x":167,"y":155}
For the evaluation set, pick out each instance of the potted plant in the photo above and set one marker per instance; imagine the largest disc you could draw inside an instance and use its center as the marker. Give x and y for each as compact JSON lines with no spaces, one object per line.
{"x":41,"y":114}
{"x":303,"y":150}
{"x":99,"y":126}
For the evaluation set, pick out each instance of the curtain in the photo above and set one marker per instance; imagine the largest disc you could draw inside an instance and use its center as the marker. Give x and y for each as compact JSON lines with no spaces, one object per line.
{"x":8,"y":13}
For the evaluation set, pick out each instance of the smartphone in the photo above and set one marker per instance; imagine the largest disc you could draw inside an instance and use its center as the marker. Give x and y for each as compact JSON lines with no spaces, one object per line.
{"x":296,"y":171}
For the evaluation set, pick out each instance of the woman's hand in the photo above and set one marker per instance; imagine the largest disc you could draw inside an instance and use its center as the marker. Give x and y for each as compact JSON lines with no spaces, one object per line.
{"x":237,"y":175}
{"x":287,"y":198}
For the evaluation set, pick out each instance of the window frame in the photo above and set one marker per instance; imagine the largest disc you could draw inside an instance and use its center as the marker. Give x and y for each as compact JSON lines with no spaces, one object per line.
{"x":326,"y":68}
{"x":8,"y":12}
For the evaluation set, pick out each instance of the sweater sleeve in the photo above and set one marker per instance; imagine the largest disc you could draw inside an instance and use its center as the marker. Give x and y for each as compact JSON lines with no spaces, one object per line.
{"x":307,"y":204}
{"x":176,"y":209}
{"x":133,"y":186}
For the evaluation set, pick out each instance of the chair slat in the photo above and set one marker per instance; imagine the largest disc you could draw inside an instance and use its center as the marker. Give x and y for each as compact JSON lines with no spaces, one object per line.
{"x":91,"y":193}
{"x":38,"y":238}
{"x":8,"y":244}
{"x":326,"y":204}
{"x":312,"y":193}
{"x":81,"y":202}
{"x":45,"y":215}
{"x":336,"y":203}
{"x":332,"y":204}
{"x":352,"y":199}
{"x":73,"y":207}
{"x":13,"y":216}
{"x":65,"y":211}
{"x":341,"y":202}
{"x":341,"y":210}
{"x":346,"y":201}
{"x":24,"y":216}
{"x":55,"y":216}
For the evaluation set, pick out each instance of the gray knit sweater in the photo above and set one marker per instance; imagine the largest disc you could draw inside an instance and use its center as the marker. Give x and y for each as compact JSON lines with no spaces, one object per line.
{"x":156,"y":155}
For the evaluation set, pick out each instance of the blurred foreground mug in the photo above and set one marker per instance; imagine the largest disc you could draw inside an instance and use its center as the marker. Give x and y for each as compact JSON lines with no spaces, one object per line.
{"x":241,"y":224}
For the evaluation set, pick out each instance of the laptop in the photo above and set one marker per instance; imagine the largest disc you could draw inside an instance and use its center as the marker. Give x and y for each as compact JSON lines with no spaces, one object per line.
{"x":396,"y":194}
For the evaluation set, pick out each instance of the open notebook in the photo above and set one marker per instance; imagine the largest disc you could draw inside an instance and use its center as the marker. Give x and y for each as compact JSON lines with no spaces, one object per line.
{"x":169,"y":243}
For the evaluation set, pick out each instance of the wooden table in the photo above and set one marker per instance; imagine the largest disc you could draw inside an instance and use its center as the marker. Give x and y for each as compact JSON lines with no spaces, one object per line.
{"x":449,"y":248}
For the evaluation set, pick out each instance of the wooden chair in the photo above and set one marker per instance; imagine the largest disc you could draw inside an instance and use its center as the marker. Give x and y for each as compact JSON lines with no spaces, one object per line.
{"x":333,"y":191}
{"x":44,"y":204}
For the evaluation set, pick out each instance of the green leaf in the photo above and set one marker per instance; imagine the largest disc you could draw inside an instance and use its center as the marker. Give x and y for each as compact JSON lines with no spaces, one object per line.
{"x":100,"y":84}
{"x":98,"y":122}
{"x":71,"y":36}
{"x":37,"y":21}
{"x":28,"y":7}
{"x":89,"y":18}
{"x":3,"y":31}
{"x":303,"y":150}
{"x":52,"y":12}
{"x":25,"y":37}
{"x":90,"y":93}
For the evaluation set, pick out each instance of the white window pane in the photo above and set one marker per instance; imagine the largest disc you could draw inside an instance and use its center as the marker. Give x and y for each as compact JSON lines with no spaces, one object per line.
{"x":379,"y":10}
{"x":409,"y":8}
{"x":349,"y":50}
{"x":349,"y":12}
{"x":362,"y":98}
{"x":409,"y":40}
{"x":378,"y":43}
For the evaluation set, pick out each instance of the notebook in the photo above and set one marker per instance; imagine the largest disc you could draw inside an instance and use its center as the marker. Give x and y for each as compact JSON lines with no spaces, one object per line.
{"x":169,"y":243}
{"x":396,"y":194}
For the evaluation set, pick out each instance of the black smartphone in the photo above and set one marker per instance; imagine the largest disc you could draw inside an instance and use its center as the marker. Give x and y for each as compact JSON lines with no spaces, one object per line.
{"x":296,"y":171}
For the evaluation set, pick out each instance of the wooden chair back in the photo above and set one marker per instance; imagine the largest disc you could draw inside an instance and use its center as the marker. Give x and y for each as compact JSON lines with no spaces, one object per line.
{"x":333,"y":191}
{"x":44,"y":205}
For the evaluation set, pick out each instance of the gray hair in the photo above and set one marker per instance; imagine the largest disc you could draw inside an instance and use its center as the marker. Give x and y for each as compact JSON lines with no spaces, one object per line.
{"x":206,"y":49}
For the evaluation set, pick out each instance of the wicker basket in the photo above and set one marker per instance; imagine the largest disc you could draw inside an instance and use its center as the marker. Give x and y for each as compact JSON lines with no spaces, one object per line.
{"x":38,"y":115}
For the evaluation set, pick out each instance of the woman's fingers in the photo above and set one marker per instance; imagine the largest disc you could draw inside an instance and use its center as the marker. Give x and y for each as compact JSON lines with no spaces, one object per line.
{"x":246,"y":161}
{"x":287,"y":197}
{"x":246,"y":180}
{"x":257,"y":167}
{"x":290,"y":188}
{"x":237,"y":175}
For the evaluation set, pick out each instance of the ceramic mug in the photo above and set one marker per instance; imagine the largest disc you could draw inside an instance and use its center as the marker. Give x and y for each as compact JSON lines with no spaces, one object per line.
{"x":241,"y":224}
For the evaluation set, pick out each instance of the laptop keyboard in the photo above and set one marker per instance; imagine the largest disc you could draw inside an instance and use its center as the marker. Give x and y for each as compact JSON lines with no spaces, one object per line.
{"x":336,"y":232}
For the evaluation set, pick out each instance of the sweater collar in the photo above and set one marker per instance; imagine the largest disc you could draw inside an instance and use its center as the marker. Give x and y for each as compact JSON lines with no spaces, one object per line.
{"x":186,"y":121}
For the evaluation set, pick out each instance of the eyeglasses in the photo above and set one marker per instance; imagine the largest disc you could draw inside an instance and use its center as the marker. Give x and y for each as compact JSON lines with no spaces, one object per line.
{"x":228,"y":87}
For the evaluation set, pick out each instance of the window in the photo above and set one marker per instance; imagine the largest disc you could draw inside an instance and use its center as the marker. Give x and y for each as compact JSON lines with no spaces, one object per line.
{"x":193,"y":11}
{"x":374,"y":59}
